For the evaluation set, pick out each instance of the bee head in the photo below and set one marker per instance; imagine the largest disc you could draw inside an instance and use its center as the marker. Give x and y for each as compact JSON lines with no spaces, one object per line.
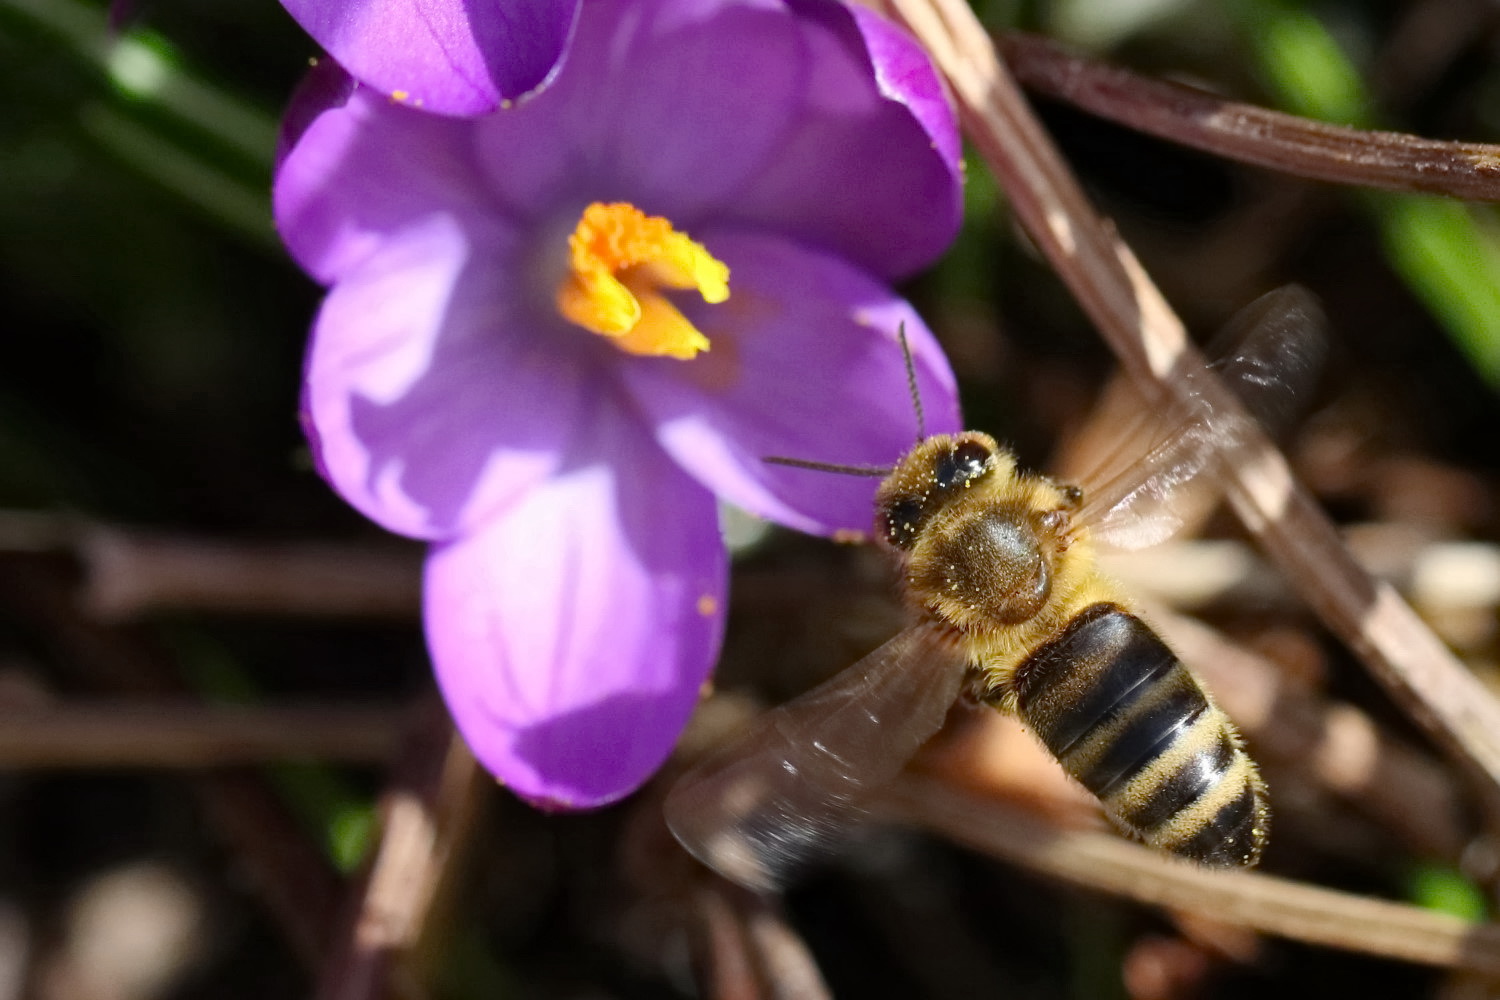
{"x":928,"y":478}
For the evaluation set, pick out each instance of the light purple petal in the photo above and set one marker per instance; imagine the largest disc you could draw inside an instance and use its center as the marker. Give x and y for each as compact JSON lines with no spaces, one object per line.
{"x":673,"y":105}
{"x":805,"y":363}
{"x":430,"y":400}
{"x":871,"y":169}
{"x":326,"y":86}
{"x":362,"y":169}
{"x":450,"y":56}
{"x":906,"y":75}
{"x":571,"y":635}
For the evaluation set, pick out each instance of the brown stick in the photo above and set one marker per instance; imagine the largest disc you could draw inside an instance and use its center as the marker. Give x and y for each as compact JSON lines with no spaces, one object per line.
{"x":426,"y":813}
{"x":1108,"y":863}
{"x":132,"y":574}
{"x":745,"y":950}
{"x":1250,"y":134}
{"x":725,"y":969}
{"x":178,"y":735}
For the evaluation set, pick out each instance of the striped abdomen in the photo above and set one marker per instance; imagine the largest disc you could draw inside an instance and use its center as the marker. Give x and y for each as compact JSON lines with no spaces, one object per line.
{"x":1125,"y":718}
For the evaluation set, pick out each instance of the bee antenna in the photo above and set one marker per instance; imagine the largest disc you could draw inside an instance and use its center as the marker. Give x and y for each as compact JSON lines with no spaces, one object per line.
{"x":871,"y":471}
{"x":911,"y":382}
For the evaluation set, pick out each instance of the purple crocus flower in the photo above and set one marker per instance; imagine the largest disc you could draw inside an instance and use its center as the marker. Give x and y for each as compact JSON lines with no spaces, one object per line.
{"x":458,"y":57}
{"x":556,"y":334}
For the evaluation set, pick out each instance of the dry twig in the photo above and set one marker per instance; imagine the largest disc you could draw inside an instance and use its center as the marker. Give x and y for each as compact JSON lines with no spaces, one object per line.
{"x":130,"y":573}
{"x":726,"y":969}
{"x":1281,"y":142}
{"x":425,"y":816}
{"x":185,"y":735}
{"x":746,"y":949}
{"x":1108,"y":863}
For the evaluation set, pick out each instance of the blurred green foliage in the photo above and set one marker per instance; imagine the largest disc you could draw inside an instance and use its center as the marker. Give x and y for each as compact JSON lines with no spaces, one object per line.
{"x":1441,"y":888}
{"x":1446,"y":253}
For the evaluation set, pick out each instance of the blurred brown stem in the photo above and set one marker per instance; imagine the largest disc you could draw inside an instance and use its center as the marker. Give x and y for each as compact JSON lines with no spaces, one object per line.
{"x":132,"y":573}
{"x":185,"y":735}
{"x":426,"y":814}
{"x":1250,"y":134}
{"x":1108,"y":863}
{"x":746,"y":950}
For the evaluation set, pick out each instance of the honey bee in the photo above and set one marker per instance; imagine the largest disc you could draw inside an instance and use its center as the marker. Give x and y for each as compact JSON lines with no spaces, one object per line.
{"x":997,"y":566}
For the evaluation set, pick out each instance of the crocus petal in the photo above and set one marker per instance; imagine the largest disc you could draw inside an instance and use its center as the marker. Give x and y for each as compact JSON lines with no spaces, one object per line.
{"x":906,"y":75}
{"x":429,"y":401}
{"x":674,"y":113}
{"x":325,"y":87}
{"x":805,"y":364}
{"x":361,"y":169}
{"x":572,"y":634}
{"x":449,"y":56}
{"x":872,"y":170}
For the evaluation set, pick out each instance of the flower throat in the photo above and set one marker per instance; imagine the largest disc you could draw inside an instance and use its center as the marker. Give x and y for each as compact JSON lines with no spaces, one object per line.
{"x":621,"y":262}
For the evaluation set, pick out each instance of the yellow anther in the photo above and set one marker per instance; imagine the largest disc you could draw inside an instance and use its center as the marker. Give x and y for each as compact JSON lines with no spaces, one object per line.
{"x":620,"y":262}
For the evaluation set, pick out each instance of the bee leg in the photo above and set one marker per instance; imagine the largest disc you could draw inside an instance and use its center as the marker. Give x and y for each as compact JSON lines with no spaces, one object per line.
{"x":1058,"y":524}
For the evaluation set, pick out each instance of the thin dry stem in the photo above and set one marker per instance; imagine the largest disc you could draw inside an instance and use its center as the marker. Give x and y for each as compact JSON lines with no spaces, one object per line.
{"x":178,"y":735}
{"x":1107,"y":863}
{"x":288,"y":872}
{"x":744,"y":949}
{"x":725,"y":970}
{"x":425,"y":816}
{"x":1436,"y":575}
{"x":786,"y":966}
{"x":132,"y":574}
{"x":1151,"y":344}
{"x":1250,"y":134}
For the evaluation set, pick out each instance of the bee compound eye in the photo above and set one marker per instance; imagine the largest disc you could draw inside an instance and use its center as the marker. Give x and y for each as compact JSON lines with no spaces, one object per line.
{"x":902,"y":521}
{"x":965,"y":463}
{"x":970,"y":459}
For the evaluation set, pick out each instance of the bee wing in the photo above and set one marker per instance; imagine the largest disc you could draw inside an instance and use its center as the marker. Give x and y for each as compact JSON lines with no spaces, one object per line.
{"x":1269,"y":353}
{"x":1152,"y":498}
{"x":782,"y":793}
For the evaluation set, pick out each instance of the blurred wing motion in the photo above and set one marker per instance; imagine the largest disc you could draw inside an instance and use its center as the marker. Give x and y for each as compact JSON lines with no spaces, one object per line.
{"x":781,"y":794}
{"x":1270,"y":353}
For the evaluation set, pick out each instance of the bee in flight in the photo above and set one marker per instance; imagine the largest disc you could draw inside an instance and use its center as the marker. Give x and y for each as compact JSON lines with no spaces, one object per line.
{"x":997,"y":566}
